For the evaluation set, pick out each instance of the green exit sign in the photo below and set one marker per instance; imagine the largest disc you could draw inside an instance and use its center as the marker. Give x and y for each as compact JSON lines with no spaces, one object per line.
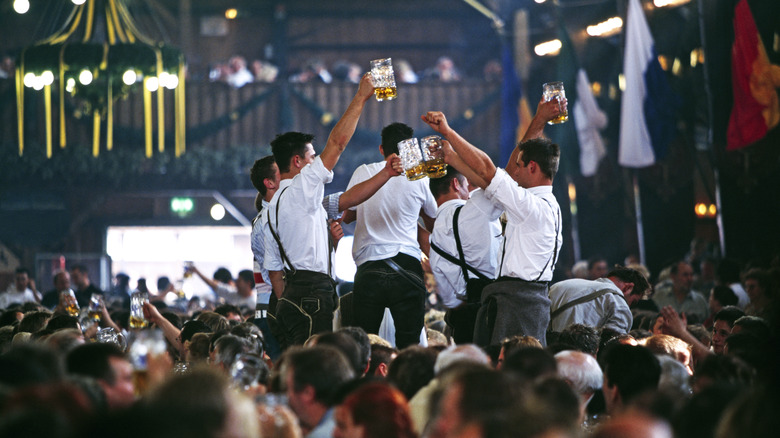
{"x":182,"y":206}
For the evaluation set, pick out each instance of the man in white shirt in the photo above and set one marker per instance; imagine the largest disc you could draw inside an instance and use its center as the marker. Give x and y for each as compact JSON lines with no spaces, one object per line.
{"x":517,"y":302}
{"x":459,"y":284}
{"x":297,"y":248}
{"x":386,"y":250}
{"x":18,"y":292}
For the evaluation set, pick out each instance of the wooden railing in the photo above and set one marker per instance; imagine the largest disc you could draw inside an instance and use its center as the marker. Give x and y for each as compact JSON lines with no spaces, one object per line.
{"x":218,"y":116}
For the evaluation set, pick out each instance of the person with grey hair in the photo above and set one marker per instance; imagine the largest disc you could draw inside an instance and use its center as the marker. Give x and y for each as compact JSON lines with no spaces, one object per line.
{"x":419,"y":405}
{"x":583,"y":373}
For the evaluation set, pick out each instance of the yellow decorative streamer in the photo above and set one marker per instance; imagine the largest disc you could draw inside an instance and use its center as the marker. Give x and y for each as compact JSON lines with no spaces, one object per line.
{"x":63,"y":34}
{"x":160,"y":104}
{"x":179,"y":111}
{"x":109,"y":115}
{"x":90,"y":18}
{"x":62,"y":96}
{"x":111,"y":15}
{"x":20,"y":103}
{"x":47,"y":109}
{"x":95,"y":133}
{"x":147,"y":119}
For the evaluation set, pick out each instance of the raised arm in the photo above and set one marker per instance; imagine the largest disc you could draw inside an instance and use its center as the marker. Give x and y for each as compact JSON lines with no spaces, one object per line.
{"x":345,"y":127}
{"x":453,"y":159}
{"x":545,"y":111}
{"x":359,"y":193}
{"x":479,"y":162}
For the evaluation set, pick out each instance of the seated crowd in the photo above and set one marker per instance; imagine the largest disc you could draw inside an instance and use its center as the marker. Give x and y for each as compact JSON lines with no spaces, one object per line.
{"x":670,"y":372}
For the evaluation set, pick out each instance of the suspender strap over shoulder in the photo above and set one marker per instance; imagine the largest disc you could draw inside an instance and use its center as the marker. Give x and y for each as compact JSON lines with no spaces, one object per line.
{"x":461,"y":260}
{"x":583,"y":299}
{"x":285,"y":259}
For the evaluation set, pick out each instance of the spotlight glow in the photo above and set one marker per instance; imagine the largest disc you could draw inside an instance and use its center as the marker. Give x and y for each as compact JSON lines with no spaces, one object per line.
{"x":29,"y":79}
{"x":47,"y":77}
{"x":152,"y":83}
{"x":129,"y":77}
{"x":85,"y":77}
{"x":70,"y":85}
{"x":548,"y":48}
{"x":231,"y":13}
{"x":78,"y":2}
{"x":21,"y":6}
{"x":217,"y":212}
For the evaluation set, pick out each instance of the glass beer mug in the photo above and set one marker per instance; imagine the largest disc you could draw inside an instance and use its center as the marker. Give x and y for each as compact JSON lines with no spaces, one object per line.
{"x":433,"y":155}
{"x":554,"y":90}
{"x":411,"y":159}
{"x":383,"y":77}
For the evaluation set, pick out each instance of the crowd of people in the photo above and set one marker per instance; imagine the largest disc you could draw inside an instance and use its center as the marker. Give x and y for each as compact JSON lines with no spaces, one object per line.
{"x":237,"y":71}
{"x":504,"y":352}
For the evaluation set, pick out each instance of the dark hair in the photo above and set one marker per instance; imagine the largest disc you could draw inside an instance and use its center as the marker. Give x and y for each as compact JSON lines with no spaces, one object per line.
{"x":753,"y":325}
{"x":675,"y":267}
{"x":22,"y":270}
{"x":412,"y":369}
{"x":347,"y":346}
{"x":93,"y":360}
{"x":633,"y":369}
{"x":361,"y":338}
{"x":487,"y":397}
{"x":380,"y":354}
{"x":628,"y":275}
{"x":440,"y":186}
{"x":247,"y":275}
{"x":225,"y":309}
{"x":762,"y":277}
{"x":392,"y":134}
{"x":286,"y":146}
{"x":528,"y":363}
{"x":81,"y":268}
{"x":162,"y":283}
{"x":191,"y":327}
{"x":322,"y":367}
{"x":582,"y":337}
{"x":33,"y":321}
{"x":262,"y":169}
{"x":728,"y":314}
{"x":60,"y":321}
{"x":214,"y":320}
{"x":223,"y":275}
{"x":543,"y":152}
{"x":725,"y":296}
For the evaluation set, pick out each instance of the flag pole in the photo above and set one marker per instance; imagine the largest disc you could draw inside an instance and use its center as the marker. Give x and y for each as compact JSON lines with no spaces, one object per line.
{"x":710,"y":135}
{"x":640,"y":232}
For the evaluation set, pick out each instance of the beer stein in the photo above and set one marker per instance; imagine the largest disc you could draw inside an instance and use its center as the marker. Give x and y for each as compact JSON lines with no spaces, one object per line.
{"x":411,"y":159}
{"x":433,"y":155}
{"x":554,"y":90}
{"x":69,"y":302}
{"x":95,"y":309}
{"x":137,"y":319}
{"x":383,"y":77}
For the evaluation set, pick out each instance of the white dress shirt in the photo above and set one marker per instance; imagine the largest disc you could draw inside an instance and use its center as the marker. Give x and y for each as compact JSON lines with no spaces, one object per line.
{"x":302,"y":224}
{"x":533,"y":229}
{"x":263,"y":288}
{"x":480,"y":237}
{"x":387,"y":221}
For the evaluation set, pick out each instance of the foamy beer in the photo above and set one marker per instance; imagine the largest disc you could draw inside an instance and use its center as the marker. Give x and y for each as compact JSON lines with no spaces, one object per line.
{"x":137,"y":319}
{"x":411,"y":159}
{"x":384,"y":79}
{"x":96,"y":307}
{"x":554,"y":90}
{"x":433,"y":155}
{"x":69,"y":302}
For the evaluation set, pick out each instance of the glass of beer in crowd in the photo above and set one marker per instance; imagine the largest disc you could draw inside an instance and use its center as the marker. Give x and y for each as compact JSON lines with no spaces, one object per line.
{"x":188,"y":269}
{"x":95,"y":307}
{"x":554,"y":90}
{"x":411,"y":159}
{"x":137,"y":319}
{"x":146,"y":347}
{"x":433,"y":155}
{"x":69,"y":302}
{"x":384,"y":79}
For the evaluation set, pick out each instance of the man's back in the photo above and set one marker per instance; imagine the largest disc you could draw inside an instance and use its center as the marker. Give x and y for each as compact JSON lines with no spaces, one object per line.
{"x":607,"y":310}
{"x":387,"y":222}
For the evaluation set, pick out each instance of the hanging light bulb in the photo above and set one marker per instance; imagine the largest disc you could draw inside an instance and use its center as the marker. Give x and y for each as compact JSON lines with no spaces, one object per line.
{"x":171,"y":81}
{"x":21,"y":6}
{"x":29,"y":79}
{"x":85,"y":77}
{"x":47,"y":77}
{"x":78,"y":2}
{"x":152,"y":83}
{"x":70,"y":85}
{"x":129,"y":77}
